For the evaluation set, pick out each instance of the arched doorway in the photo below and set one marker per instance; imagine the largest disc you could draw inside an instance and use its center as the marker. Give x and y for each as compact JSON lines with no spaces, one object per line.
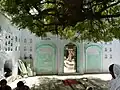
{"x":8,"y":68}
{"x":46,"y":59}
{"x":70,"y":58}
{"x":93,"y":59}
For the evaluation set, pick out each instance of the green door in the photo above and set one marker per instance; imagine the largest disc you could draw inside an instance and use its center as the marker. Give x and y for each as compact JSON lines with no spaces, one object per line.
{"x":93,"y":59}
{"x":45,"y":63}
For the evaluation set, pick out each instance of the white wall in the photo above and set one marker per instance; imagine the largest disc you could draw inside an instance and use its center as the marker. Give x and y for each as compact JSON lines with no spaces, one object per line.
{"x":25,"y":34}
{"x":10,"y":32}
{"x":115,"y":53}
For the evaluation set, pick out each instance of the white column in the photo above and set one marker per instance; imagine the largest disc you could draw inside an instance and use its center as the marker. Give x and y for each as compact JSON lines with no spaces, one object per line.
{"x":82,"y":58}
{"x":14,"y":66}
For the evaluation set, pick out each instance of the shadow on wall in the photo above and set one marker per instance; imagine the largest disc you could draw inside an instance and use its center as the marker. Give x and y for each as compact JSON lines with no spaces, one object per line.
{"x":8,"y":68}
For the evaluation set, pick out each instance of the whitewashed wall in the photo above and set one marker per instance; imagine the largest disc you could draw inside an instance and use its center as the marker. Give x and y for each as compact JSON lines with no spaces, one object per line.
{"x":13,"y":32}
{"x":115,"y":53}
{"x":25,"y":34}
{"x":8,"y":35}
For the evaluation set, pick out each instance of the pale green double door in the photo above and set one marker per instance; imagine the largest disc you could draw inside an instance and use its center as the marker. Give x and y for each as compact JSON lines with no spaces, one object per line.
{"x":45,"y":59}
{"x":93,"y":59}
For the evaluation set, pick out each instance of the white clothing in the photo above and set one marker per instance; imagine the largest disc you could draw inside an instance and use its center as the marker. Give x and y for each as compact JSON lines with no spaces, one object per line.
{"x":114,"y":84}
{"x":69,"y":67}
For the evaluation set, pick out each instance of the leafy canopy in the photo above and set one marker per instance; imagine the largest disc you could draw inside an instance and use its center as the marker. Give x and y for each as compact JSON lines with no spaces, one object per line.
{"x":94,"y":20}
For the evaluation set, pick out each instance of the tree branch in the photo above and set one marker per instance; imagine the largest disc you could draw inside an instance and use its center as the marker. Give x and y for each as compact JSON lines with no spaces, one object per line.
{"x":52,"y":2}
{"x":48,"y":2}
{"x":110,"y":16}
{"x":39,"y":11}
{"x":105,"y":8}
{"x":44,"y":12}
{"x":48,"y":10}
{"x":49,"y":24}
{"x":54,"y":23}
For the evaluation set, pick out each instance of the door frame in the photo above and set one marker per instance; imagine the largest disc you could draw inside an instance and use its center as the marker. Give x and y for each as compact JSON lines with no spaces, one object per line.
{"x":92,"y":45}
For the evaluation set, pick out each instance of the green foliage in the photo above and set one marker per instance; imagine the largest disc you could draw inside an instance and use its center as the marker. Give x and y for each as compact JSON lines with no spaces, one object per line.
{"x":95,"y":20}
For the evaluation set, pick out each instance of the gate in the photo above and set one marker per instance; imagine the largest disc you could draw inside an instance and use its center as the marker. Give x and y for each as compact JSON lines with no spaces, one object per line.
{"x":46,"y":59}
{"x":93,"y":59}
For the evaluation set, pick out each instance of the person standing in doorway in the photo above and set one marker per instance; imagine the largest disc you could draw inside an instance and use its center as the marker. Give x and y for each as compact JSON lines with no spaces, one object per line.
{"x":69,"y":62}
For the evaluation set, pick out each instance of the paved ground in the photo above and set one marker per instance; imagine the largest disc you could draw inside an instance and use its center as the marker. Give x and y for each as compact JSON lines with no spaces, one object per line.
{"x":35,"y":81}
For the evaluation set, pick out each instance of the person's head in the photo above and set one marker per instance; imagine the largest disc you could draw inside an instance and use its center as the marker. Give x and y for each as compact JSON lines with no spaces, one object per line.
{"x":114,"y":70}
{"x":3,"y":82}
{"x":20,"y":84}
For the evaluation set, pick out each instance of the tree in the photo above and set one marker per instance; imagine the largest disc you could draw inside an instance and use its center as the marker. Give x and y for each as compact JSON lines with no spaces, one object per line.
{"x":94,"y":20}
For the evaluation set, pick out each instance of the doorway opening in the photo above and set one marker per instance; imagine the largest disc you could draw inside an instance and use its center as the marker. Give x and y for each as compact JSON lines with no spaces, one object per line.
{"x":8,"y":68}
{"x":70,"y":58}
